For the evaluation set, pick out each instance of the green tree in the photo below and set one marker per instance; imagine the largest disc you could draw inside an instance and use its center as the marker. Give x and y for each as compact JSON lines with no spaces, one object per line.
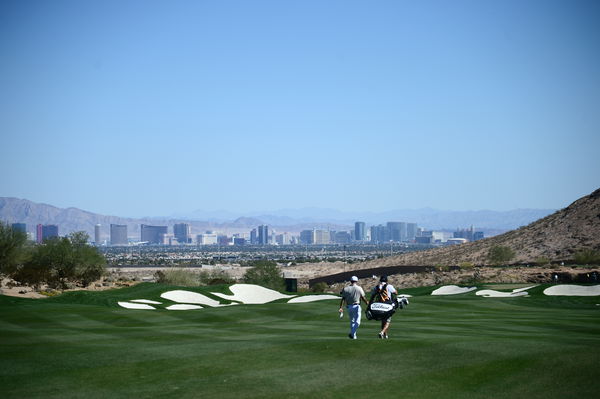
{"x":60,"y":261}
{"x":265,"y":273}
{"x":499,"y":254}
{"x":12,"y":248}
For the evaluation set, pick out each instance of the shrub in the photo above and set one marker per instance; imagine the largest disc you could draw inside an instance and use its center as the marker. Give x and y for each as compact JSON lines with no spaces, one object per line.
{"x":499,"y":254}
{"x":265,"y":273}
{"x":215,"y":277}
{"x":542,"y":260}
{"x":180,"y":277}
{"x":59,"y":262}
{"x":587,"y":257}
{"x":319,"y":287}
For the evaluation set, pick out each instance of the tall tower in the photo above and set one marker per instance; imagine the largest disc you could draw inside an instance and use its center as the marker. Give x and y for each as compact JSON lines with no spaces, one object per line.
{"x":97,"y":234}
{"x":182,"y":232}
{"x":118,"y":234}
{"x":263,"y":235}
{"x":39,"y":233}
{"x":153,"y":234}
{"x":359,"y":231}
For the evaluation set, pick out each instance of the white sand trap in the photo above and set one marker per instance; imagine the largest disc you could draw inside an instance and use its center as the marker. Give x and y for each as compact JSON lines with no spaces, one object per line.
{"x":250,"y":293}
{"x":189,"y":297}
{"x":145,"y":301}
{"x":452,"y":290}
{"x":573,"y":290}
{"x":501,"y":294}
{"x":312,"y":298}
{"x":183,"y":306}
{"x":524,"y":289}
{"x":130,"y":305}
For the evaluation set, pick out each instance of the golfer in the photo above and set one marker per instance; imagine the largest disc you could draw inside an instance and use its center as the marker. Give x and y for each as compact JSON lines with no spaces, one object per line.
{"x":352,"y":295}
{"x":384,"y":293}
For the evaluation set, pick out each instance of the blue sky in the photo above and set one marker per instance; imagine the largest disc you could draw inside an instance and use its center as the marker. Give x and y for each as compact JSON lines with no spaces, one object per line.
{"x":138,"y":108}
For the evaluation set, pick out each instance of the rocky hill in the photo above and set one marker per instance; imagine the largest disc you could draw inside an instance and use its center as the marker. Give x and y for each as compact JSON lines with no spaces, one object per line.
{"x":556,"y":237}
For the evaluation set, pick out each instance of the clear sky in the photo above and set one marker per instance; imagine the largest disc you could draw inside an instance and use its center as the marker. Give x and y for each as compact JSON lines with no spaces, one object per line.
{"x":148,"y":108}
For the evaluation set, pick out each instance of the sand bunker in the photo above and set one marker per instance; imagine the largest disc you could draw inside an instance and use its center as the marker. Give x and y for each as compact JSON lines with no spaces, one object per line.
{"x":189,"y":297}
{"x":501,"y":294}
{"x":573,"y":290}
{"x":130,"y":305}
{"x":145,"y":301}
{"x":312,"y":298}
{"x":452,"y":290}
{"x":252,"y":294}
{"x":183,"y":306}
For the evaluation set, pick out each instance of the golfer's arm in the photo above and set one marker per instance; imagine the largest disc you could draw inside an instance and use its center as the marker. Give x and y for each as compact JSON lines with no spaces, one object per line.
{"x":342,"y":303}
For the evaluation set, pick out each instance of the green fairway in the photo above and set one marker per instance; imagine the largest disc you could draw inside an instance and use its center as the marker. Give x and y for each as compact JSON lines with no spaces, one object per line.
{"x":82,"y":344}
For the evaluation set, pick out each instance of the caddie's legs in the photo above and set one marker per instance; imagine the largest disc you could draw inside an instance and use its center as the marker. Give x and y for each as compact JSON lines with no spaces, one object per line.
{"x":385,"y":325}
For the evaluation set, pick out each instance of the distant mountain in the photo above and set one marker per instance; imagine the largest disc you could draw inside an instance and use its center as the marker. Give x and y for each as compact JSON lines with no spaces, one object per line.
{"x":426,"y":217}
{"x":556,"y":237}
{"x":15,"y":210}
{"x":289,"y":220}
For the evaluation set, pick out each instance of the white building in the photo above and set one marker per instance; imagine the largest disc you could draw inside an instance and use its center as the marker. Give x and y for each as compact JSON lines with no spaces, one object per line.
{"x":206,"y":239}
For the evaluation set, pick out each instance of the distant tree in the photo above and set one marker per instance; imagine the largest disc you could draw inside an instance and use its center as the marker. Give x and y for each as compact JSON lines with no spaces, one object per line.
{"x":12,"y":248}
{"x":60,"y":261}
{"x":587,"y":257}
{"x":265,"y":273}
{"x":499,"y":254}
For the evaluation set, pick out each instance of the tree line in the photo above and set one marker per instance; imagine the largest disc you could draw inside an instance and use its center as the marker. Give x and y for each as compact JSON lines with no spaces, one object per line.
{"x":58,"y":262}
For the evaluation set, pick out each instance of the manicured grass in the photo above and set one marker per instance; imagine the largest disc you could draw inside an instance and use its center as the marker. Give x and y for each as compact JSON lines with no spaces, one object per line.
{"x":462,"y":346}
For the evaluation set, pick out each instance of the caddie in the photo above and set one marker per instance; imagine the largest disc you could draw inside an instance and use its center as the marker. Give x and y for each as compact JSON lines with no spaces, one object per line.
{"x":384,"y":293}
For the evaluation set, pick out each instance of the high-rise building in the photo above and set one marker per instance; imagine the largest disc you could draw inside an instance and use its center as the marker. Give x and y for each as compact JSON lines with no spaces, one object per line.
{"x":97,"y":234}
{"x":359,"y":231}
{"x":153,"y":234}
{"x":321,"y":237}
{"x":39,"y":234}
{"x":396,"y":231}
{"x":378,"y":234}
{"x":263,"y":235}
{"x":208,"y":238}
{"x":223,"y":239}
{"x":411,"y":231}
{"x":118,"y":234}
{"x":44,"y":232}
{"x":22,"y":227}
{"x":283,"y":239}
{"x":342,"y":237}
{"x":182,"y":233}
{"x":306,"y":237}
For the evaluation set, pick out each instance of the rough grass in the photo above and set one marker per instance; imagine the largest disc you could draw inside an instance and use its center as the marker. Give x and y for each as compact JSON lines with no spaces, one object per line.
{"x":82,"y":344}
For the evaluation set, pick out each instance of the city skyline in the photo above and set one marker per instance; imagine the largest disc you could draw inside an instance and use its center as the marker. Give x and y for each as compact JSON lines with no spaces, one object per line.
{"x":151,"y":108}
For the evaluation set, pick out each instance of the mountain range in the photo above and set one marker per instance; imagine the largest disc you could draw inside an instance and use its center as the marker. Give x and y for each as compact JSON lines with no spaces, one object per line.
{"x":15,"y":210}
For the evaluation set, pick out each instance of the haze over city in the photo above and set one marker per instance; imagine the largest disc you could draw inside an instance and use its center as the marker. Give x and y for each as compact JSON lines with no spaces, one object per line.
{"x":149,"y":108}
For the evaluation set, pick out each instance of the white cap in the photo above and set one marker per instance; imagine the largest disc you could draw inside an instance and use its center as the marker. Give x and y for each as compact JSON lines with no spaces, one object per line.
{"x":353,"y":278}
